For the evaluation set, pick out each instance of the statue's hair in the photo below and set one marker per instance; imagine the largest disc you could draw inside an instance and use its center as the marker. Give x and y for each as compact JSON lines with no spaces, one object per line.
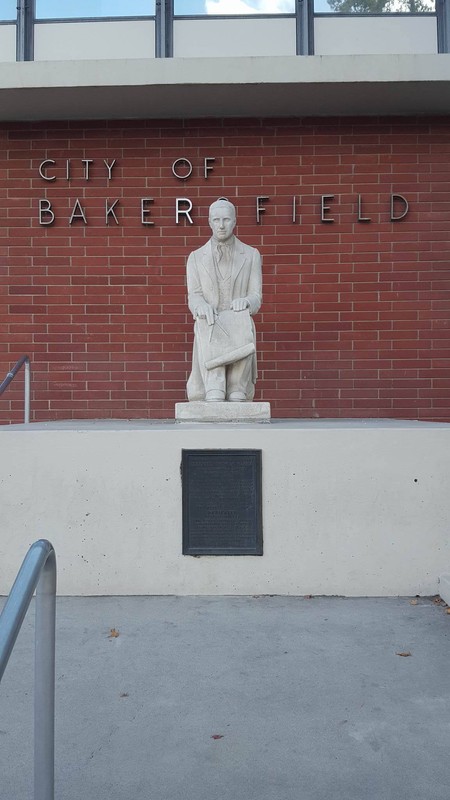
{"x":223,"y":201}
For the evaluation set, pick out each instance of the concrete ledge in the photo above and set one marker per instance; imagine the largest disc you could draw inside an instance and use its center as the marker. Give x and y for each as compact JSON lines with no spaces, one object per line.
{"x":267,"y":86}
{"x":444,"y":588}
{"x":222,"y":412}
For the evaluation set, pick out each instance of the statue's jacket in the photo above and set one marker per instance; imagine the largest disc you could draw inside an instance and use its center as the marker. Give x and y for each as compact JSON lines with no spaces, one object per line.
{"x":245,"y":276}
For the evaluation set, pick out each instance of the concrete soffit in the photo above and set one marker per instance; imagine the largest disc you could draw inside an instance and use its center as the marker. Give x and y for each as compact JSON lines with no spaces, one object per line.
{"x":293,"y":86}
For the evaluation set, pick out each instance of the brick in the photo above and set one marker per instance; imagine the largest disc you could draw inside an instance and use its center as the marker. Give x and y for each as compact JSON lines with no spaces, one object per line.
{"x":346,"y":301}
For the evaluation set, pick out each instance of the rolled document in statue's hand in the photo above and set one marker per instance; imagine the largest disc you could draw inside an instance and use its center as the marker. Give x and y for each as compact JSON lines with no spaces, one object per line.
{"x":228,"y":340}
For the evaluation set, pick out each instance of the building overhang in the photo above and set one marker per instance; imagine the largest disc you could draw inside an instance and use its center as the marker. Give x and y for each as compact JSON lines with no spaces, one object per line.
{"x":292,"y":86}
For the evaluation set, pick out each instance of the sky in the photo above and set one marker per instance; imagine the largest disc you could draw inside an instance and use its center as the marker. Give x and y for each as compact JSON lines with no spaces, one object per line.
{"x":91,"y":8}
{"x":234,"y":6}
{"x":8,"y":9}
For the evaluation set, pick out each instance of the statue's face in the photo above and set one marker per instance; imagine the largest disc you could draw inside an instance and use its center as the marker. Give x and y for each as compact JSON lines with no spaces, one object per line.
{"x":222,"y":222}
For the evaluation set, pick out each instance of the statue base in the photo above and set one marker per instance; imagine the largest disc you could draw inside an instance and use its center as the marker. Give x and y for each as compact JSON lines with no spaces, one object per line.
{"x":201,"y":411}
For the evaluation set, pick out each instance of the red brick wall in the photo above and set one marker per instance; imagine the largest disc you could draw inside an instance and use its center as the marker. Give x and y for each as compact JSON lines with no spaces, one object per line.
{"x":355,"y":318}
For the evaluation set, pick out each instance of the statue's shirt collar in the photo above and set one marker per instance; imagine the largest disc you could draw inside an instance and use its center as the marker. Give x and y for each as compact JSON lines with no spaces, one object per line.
{"x":224,"y":247}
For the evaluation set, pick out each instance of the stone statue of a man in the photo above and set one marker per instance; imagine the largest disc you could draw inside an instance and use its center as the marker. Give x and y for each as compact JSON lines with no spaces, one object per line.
{"x":224,"y":290}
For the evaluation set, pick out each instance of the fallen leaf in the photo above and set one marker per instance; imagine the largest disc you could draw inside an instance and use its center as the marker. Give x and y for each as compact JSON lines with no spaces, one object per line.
{"x":307,"y":596}
{"x":217,"y":736}
{"x":404,"y":654}
{"x":413,"y":602}
{"x":437,"y":600}
{"x":447,"y":611}
{"x":113,"y":634}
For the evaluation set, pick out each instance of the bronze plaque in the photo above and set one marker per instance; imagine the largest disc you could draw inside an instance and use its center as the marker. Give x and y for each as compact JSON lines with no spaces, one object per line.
{"x":222,"y":502}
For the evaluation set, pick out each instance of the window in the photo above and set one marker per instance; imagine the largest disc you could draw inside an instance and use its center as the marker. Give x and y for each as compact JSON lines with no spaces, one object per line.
{"x":8,"y":9}
{"x":73,"y":9}
{"x":374,"y":6}
{"x":232,"y":7}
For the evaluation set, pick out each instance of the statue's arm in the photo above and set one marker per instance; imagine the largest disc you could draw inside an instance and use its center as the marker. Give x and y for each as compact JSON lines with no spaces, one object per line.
{"x":253,"y":298}
{"x":198,"y":306}
{"x":194,"y":287}
{"x":254,"y":294}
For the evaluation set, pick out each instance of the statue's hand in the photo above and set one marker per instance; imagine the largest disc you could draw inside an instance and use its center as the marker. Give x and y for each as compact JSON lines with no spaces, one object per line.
{"x":239,"y":304}
{"x":205,"y":311}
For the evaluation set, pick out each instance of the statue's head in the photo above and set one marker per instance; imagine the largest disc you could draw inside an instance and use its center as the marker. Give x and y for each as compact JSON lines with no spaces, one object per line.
{"x":222,"y":219}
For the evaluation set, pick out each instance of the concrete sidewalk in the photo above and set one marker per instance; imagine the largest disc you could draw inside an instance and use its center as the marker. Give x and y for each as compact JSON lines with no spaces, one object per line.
{"x":238,"y":698}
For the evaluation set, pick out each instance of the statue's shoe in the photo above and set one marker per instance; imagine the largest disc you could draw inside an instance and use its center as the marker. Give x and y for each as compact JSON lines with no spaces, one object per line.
{"x":214,"y":396}
{"x":237,"y":397}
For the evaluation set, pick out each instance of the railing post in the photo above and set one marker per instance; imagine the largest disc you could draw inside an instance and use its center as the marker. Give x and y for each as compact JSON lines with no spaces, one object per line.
{"x":44,"y":683}
{"x":25,"y":360}
{"x":27,"y":390}
{"x":38,"y":571}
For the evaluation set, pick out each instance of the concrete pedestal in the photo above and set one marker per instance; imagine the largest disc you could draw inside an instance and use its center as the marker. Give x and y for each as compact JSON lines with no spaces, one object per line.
{"x":200,"y":411}
{"x":350,"y":507}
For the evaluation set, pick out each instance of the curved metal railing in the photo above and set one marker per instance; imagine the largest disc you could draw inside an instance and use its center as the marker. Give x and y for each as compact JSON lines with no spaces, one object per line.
{"x":38,"y":571}
{"x":27,"y":387}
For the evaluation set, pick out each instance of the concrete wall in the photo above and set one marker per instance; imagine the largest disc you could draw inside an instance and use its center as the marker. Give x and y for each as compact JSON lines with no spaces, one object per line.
{"x":349,"y":508}
{"x":211,"y":37}
{"x":374,"y":35}
{"x":98,"y":40}
{"x":234,"y":37}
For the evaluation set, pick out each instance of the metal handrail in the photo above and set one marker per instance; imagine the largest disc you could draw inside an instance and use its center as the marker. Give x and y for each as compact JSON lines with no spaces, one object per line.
{"x":38,"y":571}
{"x":27,"y":388}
